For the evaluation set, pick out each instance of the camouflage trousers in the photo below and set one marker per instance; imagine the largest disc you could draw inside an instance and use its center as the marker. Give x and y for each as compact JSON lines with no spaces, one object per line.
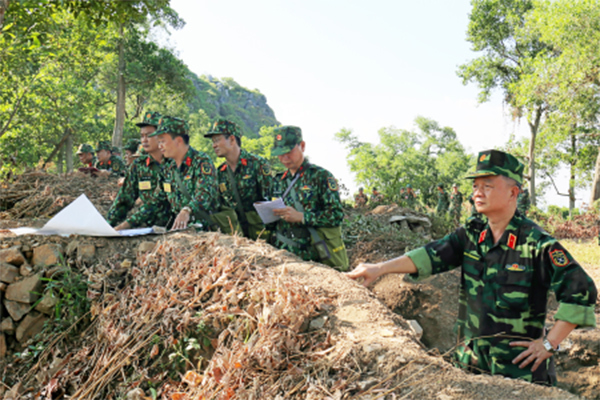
{"x":479,"y":356}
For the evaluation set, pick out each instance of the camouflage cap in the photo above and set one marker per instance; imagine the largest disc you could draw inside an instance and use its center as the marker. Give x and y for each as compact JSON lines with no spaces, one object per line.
{"x":132,"y":145}
{"x":286,"y":138}
{"x":440,"y":185}
{"x":85,"y":148}
{"x":173,"y":125}
{"x":116,"y":150}
{"x":151,"y":118}
{"x":409,"y":186}
{"x":224,"y":127}
{"x":495,"y":162}
{"x":104,"y":145}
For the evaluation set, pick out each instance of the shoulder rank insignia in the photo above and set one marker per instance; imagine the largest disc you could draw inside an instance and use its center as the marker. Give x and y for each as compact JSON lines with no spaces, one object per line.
{"x":482,"y":236}
{"x":559,"y":258}
{"x":332,"y":184}
{"x":206,"y":168}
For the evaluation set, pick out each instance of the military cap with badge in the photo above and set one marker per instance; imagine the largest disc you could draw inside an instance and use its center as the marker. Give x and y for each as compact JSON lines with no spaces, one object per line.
{"x":286,"y":138}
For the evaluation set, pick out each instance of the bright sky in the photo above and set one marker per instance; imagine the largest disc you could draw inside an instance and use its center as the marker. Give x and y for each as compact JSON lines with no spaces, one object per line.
{"x":330,"y":64}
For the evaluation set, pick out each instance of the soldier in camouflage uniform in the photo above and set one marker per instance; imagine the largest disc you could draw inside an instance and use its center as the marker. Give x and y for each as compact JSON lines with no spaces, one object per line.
{"x":361,"y":199}
{"x":251,"y":175}
{"x":312,"y":199}
{"x":131,"y":149}
{"x":107,"y":163}
{"x":456,"y":200}
{"x":524,"y":202}
{"x":142,"y":181}
{"x":410,"y":198}
{"x":508,"y":266}
{"x":443,"y":201}
{"x":188,"y":176}
{"x":86,"y":155}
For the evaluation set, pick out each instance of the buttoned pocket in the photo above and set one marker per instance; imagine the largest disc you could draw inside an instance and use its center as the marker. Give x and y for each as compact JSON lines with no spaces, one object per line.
{"x":513,"y":288}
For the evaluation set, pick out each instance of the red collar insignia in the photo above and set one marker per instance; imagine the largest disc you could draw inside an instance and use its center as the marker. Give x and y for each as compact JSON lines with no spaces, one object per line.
{"x":224,"y":167}
{"x":285,"y":174}
{"x":244,"y":162}
{"x":482,"y":236}
{"x":148,"y":161}
{"x":108,"y":162}
{"x":512,"y":241}
{"x":188,"y":161}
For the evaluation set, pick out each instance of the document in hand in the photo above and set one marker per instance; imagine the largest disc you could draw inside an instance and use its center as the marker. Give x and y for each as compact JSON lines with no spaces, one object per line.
{"x":265,"y":210}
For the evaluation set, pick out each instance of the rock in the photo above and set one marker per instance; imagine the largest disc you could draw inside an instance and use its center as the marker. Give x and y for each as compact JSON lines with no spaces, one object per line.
{"x":146,"y":247}
{"x":317,"y":323}
{"x":86,"y":252}
{"x":8,"y":272}
{"x":2,"y":346}
{"x":12,"y":255}
{"x":26,"y":270}
{"x":47,"y":254}
{"x":416,"y":328}
{"x":7,"y":326}
{"x":3,"y":287}
{"x":25,"y":248}
{"x":26,"y":290}
{"x":32,"y":324}
{"x":17,"y":310}
{"x":47,"y":304}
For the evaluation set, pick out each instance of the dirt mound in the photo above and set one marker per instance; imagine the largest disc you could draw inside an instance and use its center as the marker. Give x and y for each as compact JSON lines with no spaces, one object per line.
{"x":37,"y":194}
{"x":206,"y":315}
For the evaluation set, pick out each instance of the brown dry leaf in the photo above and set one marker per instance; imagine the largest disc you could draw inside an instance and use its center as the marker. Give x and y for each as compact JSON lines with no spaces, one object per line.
{"x":192,"y":378}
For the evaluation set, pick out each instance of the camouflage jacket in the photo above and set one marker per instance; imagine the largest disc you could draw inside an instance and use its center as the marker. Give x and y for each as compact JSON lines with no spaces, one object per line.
{"x":442,"y":204}
{"x":504,"y":288}
{"x":197,"y":173}
{"x":456,"y":200}
{"x":91,"y":163}
{"x":361,"y":199}
{"x":410,"y":199}
{"x":318,"y":192}
{"x":252,"y":177}
{"x":115,"y":165}
{"x":142,"y":181}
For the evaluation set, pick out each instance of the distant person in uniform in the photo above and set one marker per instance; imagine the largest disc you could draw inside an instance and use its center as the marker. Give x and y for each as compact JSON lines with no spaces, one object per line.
{"x":376,"y":197}
{"x":443,"y":201}
{"x":361,"y":199}
{"x":107,"y":163}
{"x":410,"y":198}
{"x":142,"y":182}
{"x":86,"y":155}
{"x":310,"y":224}
{"x":131,"y":151}
{"x":243,"y":179}
{"x":456,"y":200}
{"x":401,"y":197}
{"x":509,"y":264}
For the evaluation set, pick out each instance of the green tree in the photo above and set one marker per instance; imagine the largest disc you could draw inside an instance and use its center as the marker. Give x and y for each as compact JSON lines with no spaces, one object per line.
{"x":424,"y":158}
{"x":566,"y":75}
{"x":493,"y":31}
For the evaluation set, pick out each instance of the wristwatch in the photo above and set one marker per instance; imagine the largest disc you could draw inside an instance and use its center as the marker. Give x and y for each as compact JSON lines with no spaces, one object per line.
{"x":186,"y":208}
{"x":548,"y":346}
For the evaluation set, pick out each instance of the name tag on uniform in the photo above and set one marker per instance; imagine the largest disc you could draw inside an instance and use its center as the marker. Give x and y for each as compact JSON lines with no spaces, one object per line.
{"x":145,"y":185}
{"x":167,"y":187}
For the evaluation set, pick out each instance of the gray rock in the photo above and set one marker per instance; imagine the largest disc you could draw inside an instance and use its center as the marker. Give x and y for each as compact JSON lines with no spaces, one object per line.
{"x":8,"y":272}
{"x":25,"y":291}
{"x":17,"y":310}
{"x":32,"y":324}
{"x":86,"y":252}
{"x":7,"y":326}
{"x":47,"y":304}
{"x":26,"y":269}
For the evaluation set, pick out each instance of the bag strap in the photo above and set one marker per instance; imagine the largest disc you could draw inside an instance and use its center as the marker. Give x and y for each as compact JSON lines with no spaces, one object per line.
{"x":204,"y":216}
{"x":240,"y":210}
{"x":313,"y":232}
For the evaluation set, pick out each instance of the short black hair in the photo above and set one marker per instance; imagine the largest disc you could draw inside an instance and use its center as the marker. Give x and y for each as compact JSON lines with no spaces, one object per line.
{"x":237,"y":139}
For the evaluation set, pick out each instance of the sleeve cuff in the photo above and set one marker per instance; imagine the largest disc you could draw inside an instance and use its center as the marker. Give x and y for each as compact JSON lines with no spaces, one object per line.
{"x":583,"y":316}
{"x":421,"y":259}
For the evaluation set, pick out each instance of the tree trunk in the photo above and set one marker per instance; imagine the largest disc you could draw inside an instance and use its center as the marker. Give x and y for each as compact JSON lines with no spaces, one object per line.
{"x":58,"y":147}
{"x":69,"y":152}
{"x":117,"y":139}
{"x":533,"y":127}
{"x":596,"y":183}
{"x":60,"y":162}
{"x":3,"y":8}
{"x":572,"y":162}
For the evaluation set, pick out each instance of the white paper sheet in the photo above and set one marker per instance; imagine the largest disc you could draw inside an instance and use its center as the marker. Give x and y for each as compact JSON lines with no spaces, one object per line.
{"x":265,"y":210}
{"x":80,"y":218}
